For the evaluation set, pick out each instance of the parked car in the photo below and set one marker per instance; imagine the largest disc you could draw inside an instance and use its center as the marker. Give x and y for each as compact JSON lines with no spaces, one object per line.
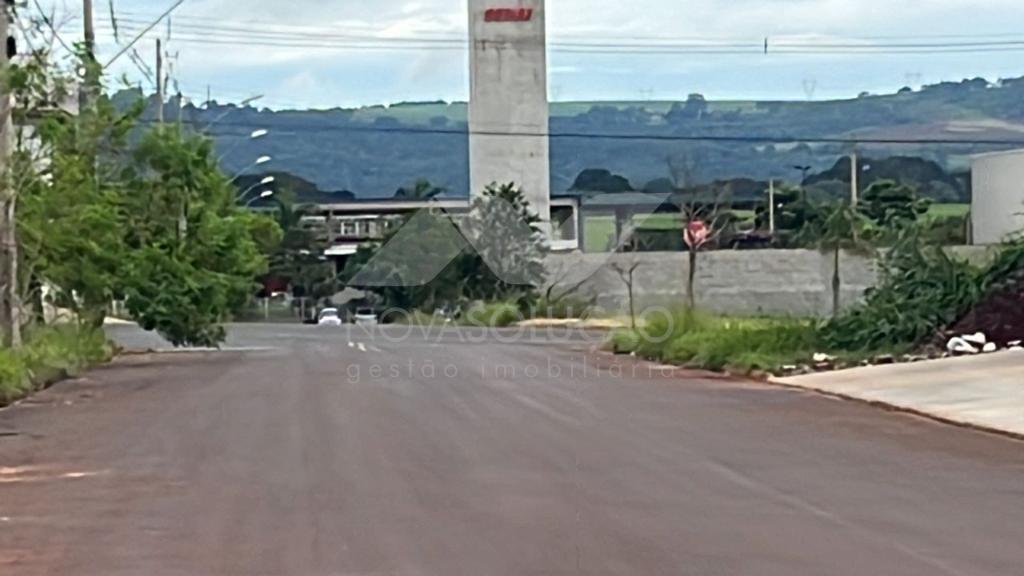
{"x":328,"y":317}
{"x":366,"y":317}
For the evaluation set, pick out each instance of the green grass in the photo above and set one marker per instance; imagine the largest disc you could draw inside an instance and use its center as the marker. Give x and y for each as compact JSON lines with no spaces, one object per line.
{"x":49,"y":353}
{"x":948,"y":210}
{"x":697,"y":340}
{"x":599,"y":231}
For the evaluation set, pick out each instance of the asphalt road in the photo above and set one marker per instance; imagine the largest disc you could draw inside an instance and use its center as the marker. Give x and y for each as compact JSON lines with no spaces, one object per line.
{"x":314,"y":452}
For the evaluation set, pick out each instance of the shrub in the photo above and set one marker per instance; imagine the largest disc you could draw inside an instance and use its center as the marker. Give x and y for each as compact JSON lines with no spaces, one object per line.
{"x":922,"y":290}
{"x":624,"y":341}
{"x":50,"y":353}
{"x":493,"y":314}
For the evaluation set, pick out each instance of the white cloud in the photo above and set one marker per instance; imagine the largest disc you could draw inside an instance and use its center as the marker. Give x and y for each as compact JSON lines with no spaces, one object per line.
{"x":378,"y":76}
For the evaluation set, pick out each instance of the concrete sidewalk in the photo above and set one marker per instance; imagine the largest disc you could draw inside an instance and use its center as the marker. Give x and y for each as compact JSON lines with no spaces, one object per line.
{"x":984,"y":391}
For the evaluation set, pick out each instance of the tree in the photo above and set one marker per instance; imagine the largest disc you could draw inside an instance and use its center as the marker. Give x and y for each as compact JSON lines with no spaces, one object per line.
{"x":508,"y":246}
{"x":192,"y":261}
{"x":421,"y":190}
{"x":600,"y":180}
{"x":842,"y":228}
{"x":892,"y":205}
{"x":299,"y":257}
{"x":493,"y":253}
{"x":704,"y":218}
{"x":627,"y":273}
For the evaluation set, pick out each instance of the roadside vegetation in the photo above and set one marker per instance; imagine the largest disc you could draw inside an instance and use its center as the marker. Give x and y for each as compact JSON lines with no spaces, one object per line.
{"x":922,"y":293}
{"x":50,"y":354}
{"x":105,"y":203}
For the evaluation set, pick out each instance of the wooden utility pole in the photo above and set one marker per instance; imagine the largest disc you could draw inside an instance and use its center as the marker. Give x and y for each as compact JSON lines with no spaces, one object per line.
{"x":159,"y":81}
{"x":10,"y":300}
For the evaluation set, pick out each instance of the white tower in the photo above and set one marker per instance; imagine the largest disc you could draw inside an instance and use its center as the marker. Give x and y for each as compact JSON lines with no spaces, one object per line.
{"x":508,"y":106}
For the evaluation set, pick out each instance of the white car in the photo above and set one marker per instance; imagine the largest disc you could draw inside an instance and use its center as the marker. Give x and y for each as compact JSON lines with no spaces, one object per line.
{"x":365,"y":317}
{"x":328,"y":317}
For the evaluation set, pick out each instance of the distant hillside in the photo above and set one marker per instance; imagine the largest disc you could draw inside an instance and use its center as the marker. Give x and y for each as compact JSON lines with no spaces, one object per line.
{"x":373,"y":151}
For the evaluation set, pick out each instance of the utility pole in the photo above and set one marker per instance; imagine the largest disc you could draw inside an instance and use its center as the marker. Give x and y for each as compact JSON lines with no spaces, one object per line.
{"x":854,"y":179}
{"x":90,"y":30}
{"x":91,"y":80}
{"x":771,"y":206}
{"x":10,"y":301}
{"x":160,"y":81}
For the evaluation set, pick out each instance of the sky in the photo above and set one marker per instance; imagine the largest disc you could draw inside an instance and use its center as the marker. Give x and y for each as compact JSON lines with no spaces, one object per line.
{"x":212,"y":46}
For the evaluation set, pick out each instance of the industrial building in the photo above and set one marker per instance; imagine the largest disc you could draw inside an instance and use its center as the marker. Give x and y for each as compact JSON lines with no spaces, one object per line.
{"x":997,"y":207}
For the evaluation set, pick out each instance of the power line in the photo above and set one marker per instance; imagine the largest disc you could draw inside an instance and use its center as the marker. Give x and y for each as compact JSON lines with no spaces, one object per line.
{"x":749,"y":139}
{"x":252,"y":25}
{"x":596,"y":49}
{"x":228,"y":35}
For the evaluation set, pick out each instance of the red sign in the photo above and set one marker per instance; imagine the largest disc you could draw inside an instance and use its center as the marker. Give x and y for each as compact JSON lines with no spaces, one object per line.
{"x":697,"y":234}
{"x":508,"y":15}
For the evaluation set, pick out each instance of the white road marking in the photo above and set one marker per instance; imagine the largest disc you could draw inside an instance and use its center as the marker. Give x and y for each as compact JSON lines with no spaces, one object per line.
{"x":351,"y":345}
{"x":362,"y":347}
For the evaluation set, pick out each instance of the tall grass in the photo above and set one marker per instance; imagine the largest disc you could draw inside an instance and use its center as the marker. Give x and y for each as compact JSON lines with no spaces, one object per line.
{"x":493,"y":314}
{"x":698,"y":340}
{"x":49,"y":353}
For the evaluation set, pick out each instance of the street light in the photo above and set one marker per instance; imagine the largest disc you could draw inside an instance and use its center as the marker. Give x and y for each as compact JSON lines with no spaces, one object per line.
{"x":263,"y":196}
{"x":259,"y":162}
{"x":264,"y":182}
{"x":254,"y":135}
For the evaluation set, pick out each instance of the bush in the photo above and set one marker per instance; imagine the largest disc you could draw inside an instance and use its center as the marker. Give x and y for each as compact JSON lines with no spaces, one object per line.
{"x":922,"y":291}
{"x":49,"y":354}
{"x":624,"y":341}
{"x":493,"y":314}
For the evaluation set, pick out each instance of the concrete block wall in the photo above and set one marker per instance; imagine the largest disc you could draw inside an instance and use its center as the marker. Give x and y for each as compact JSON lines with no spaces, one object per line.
{"x":769,"y":282}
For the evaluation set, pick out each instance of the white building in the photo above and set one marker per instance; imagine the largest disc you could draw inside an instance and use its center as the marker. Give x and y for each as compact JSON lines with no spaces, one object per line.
{"x":997,"y":208}
{"x":508,"y":107}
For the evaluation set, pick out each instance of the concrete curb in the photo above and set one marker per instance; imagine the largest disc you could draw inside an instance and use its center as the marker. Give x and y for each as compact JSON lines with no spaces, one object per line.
{"x":890,"y":407}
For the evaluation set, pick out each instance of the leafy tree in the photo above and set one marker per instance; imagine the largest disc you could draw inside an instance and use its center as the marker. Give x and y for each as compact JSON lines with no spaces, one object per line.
{"x":794,"y":212}
{"x":507,"y":260}
{"x":600,"y":180}
{"x":494,"y":253}
{"x":892,"y":205}
{"x":72,"y":221}
{"x":192,"y":260}
{"x":299,"y":257}
{"x":841,"y":228}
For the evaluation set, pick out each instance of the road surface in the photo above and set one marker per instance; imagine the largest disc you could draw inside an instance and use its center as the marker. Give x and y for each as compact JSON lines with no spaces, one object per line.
{"x":308,"y":452}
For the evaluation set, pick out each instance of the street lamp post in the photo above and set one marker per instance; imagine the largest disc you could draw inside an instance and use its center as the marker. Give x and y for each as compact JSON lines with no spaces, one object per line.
{"x":263,"y":196}
{"x":258,"y":162}
{"x":264,"y":182}
{"x":254,"y":135}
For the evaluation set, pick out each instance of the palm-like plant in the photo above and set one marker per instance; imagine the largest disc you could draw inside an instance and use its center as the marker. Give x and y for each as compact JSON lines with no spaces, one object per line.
{"x":842,"y":229}
{"x":421,"y":190}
